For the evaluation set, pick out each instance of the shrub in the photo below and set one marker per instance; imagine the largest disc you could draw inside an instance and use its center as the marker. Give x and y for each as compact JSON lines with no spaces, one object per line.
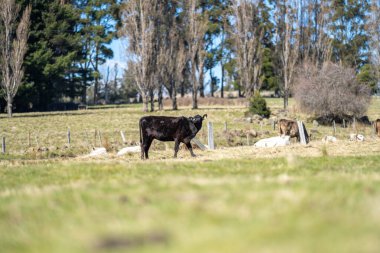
{"x":258,"y":105}
{"x":331,"y":92}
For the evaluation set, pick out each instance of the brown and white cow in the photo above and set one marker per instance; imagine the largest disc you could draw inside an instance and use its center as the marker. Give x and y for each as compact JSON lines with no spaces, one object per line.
{"x":290,"y":127}
{"x":376,"y":124}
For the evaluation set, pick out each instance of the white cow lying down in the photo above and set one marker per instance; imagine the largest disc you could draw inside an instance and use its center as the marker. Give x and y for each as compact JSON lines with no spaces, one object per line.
{"x":278,"y":141}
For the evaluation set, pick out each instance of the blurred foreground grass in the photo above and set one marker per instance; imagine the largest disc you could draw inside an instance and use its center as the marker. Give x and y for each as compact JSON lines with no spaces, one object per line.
{"x":324,"y":204}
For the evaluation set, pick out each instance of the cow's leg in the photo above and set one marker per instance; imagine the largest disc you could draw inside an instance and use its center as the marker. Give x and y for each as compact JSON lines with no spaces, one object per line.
{"x":188,"y":145}
{"x":145,"y":148}
{"x":176,"y":148}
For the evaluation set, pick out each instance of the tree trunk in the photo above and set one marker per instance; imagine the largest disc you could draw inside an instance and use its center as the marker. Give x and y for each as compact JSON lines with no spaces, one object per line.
{"x":201,"y":83}
{"x":174,"y":100}
{"x":173,"y":95}
{"x":151,"y":94}
{"x":182,"y":89}
{"x":286,"y":98}
{"x":106,"y":93}
{"x":195,"y":99}
{"x":286,"y":91}
{"x":160,"y":99}
{"x":145,"y":100}
{"x":222,"y":83}
{"x":211,"y":84}
{"x":9,"y":106}
{"x":84,"y":89}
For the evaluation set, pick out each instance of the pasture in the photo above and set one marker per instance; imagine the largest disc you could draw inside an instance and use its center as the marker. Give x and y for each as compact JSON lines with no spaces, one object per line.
{"x":314,"y":198}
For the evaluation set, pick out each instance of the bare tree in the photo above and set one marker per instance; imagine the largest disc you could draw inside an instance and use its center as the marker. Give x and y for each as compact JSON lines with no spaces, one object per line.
{"x":139,"y":27}
{"x":374,"y":33}
{"x":315,"y":45}
{"x":247,"y":36}
{"x":196,"y":27}
{"x":288,"y":38}
{"x":13,"y":48}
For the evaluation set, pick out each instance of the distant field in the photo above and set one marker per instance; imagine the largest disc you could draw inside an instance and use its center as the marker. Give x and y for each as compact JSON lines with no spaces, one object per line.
{"x":44,"y":135}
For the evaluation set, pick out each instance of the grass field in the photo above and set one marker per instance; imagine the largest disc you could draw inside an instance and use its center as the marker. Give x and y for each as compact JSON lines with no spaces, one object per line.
{"x":314,"y":198}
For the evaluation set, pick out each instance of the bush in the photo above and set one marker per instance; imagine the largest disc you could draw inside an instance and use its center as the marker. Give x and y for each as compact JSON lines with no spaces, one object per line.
{"x":331,"y":92}
{"x":258,"y":105}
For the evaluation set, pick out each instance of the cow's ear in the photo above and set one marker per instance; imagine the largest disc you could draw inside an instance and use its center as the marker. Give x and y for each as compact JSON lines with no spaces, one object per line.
{"x":204,"y":116}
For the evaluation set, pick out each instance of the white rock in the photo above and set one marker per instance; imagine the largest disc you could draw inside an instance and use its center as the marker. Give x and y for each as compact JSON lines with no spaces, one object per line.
{"x":357,"y":137}
{"x":126,"y":150}
{"x":360,"y":137}
{"x":98,"y":152}
{"x":278,"y":141}
{"x":329,"y":138}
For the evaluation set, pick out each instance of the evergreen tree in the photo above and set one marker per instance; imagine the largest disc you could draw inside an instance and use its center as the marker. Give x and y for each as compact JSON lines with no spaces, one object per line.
{"x":350,"y":41}
{"x":53,"y":46}
{"x":98,"y":22}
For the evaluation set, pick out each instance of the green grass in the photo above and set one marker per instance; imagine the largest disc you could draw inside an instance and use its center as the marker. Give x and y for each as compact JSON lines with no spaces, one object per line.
{"x":228,"y":200}
{"x":325,"y":204}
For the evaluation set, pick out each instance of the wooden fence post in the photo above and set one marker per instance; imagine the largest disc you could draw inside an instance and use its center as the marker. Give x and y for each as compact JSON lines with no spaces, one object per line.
{"x":210,"y":136}
{"x":334,"y":128}
{"x":3,"y":147}
{"x":100,"y":138}
{"x":28,"y":138}
{"x":123,"y":137}
{"x":344,"y":123}
{"x":68,"y":137}
{"x":225,"y":126}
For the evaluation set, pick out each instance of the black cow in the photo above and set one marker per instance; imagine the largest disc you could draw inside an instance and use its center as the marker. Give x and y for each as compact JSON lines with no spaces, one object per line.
{"x":177,"y":129}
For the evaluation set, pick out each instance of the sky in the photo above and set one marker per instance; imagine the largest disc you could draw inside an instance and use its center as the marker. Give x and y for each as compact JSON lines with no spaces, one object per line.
{"x":118,"y":47}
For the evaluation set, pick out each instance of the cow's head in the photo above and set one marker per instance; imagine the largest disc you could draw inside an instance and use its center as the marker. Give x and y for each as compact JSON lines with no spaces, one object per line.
{"x":197,"y":120}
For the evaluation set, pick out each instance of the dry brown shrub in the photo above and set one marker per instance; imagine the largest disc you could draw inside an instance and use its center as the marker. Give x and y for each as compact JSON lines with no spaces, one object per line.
{"x":330,"y":92}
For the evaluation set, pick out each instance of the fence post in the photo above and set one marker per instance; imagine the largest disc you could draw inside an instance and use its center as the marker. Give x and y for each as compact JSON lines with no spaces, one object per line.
{"x":100,"y":138}
{"x":334,"y":127}
{"x":210,"y":136}
{"x":344,"y":123}
{"x":68,"y":137}
{"x":225,"y":126}
{"x":3,"y":148}
{"x":28,"y":138}
{"x":301,"y":132}
{"x":123,"y":137}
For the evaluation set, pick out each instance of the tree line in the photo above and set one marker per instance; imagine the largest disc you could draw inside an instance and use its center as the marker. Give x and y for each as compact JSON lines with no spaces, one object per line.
{"x":172,"y":45}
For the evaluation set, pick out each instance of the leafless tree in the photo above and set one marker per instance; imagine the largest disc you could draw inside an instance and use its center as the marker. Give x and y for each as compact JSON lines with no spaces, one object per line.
{"x":374,"y":32}
{"x":315,"y":45}
{"x":288,"y":37}
{"x":196,"y":27}
{"x":139,"y":27}
{"x":332,"y":91}
{"x":13,"y":48}
{"x":172,"y":59}
{"x":247,"y":36}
